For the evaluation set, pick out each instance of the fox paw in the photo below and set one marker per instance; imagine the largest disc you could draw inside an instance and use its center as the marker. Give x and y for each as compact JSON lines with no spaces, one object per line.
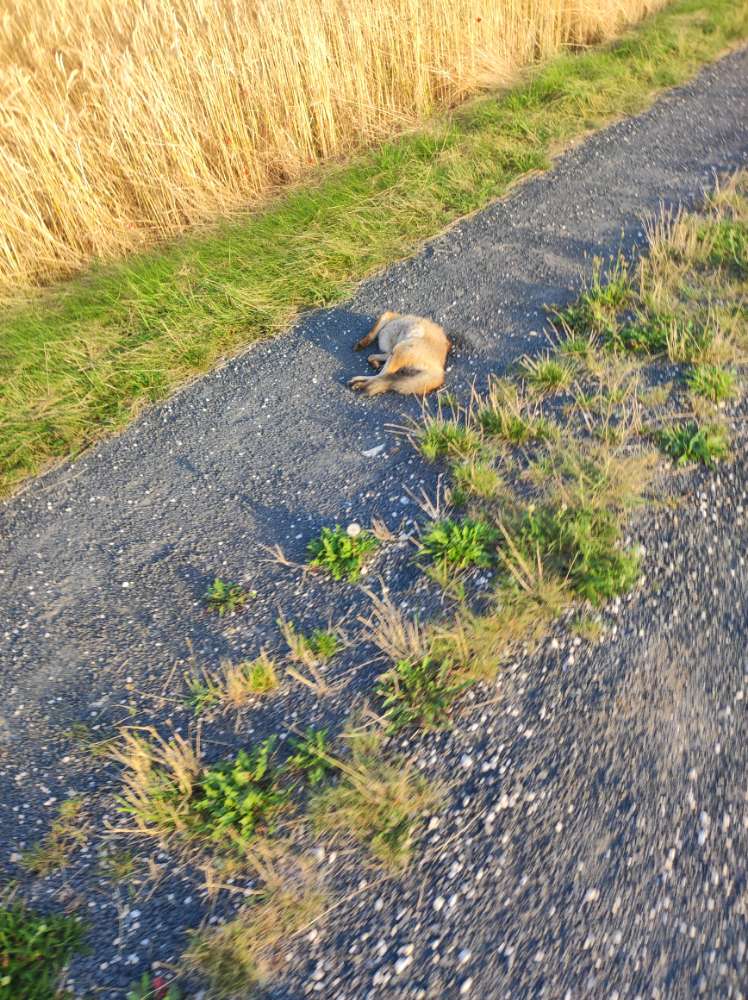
{"x":358,"y":382}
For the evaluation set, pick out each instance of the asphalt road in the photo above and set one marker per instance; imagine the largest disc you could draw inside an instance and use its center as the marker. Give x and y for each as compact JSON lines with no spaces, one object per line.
{"x":598,"y":844}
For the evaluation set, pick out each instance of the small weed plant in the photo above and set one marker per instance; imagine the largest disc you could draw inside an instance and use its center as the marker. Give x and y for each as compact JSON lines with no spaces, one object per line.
{"x":712,"y":382}
{"x":34,"y":950}
{"x":225,"y":598}
{"x":312,"y":756}
{"x":687,"y":442}
{"x":239,"y":797}
{"x":419,"y":694}
{"x":460,"y":544}
{"x":340,"y":554}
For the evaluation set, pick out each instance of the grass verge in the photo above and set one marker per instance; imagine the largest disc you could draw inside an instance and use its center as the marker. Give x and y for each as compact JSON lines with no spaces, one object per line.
{"x":84,"y":357}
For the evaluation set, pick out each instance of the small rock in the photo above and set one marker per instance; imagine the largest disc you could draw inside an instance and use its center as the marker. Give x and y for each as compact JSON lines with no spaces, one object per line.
{"x":402,"y":964}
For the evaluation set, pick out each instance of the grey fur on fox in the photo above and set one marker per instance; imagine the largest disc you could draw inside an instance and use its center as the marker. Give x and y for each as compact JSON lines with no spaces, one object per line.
{"x":412,"y":359}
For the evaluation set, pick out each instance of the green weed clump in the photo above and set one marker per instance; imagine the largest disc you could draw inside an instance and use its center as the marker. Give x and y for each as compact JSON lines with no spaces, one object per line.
{"x":167,"y":791}
{"x":34,"y":950}
{"x":312,"y":756}
{"x":460,"y":544}
{"x":582,"y":546}
{"x":340,"y":554}
{"x":686,"y":443}
{"x":419,"y":694}
{"x":225,"y":598}
{"x":238,"y":797}
{"x":712,"y":382}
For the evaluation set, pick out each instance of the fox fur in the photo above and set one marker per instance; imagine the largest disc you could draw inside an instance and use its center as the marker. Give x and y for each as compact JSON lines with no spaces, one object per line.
{"x":412,"y":359}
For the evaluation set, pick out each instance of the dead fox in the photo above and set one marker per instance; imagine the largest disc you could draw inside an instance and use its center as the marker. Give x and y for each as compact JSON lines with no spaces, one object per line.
{"x":414,"y":352}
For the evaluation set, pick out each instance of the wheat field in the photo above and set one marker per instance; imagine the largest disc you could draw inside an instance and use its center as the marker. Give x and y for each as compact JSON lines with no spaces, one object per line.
{"x":123,"y":122}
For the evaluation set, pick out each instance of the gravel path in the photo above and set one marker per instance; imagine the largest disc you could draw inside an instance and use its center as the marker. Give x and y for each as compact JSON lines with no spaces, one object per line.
{"x":598,"y":832}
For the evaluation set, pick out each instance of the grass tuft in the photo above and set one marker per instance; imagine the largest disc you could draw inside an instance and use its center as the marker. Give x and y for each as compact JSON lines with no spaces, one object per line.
{"x":546,"y":374}
{"x":67,"y":833}
{"x":238,"y":956}
{"x":687,"y":442}
{"x":381,"y":801}
{"x":460,"y":545}
{"x":712,"y":382}
{"x":34,"y":949}
{"x":341,"y":555}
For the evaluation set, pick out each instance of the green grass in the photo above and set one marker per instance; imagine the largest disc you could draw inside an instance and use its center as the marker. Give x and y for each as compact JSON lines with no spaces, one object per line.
{"x":729,"y":245}
{"x":460,"y":544}
{"x":34,"y":949}
{"x":82,"y":358}
{"x":340,"y":554}
{"x":419,"y":694}
{"x":712,"y":382}
{"x":475,"y":479}
{"x":686,"y":443}
{"x":441,"y":436}
{"x":546,"y":374}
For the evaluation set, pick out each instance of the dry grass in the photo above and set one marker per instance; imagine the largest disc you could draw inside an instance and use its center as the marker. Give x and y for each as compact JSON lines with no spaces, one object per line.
{"x":125,"y":122}
{"x":238,"y":956}
{"x":67,"y":833}
{"x":380,"y":800}
{"x":398,"y":637}
{"x":234,"y":685}
{"x":158,"y":780}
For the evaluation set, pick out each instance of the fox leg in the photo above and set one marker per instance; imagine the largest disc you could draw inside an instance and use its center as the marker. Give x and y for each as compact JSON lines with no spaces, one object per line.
{"x":418,"y":383}
{"x":371,"y":335}
{"x":389,"y":379}
{"x":377,"y":360}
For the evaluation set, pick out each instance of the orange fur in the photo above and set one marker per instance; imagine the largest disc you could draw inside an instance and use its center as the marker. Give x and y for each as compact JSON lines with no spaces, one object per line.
{"x":405,"y":342}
